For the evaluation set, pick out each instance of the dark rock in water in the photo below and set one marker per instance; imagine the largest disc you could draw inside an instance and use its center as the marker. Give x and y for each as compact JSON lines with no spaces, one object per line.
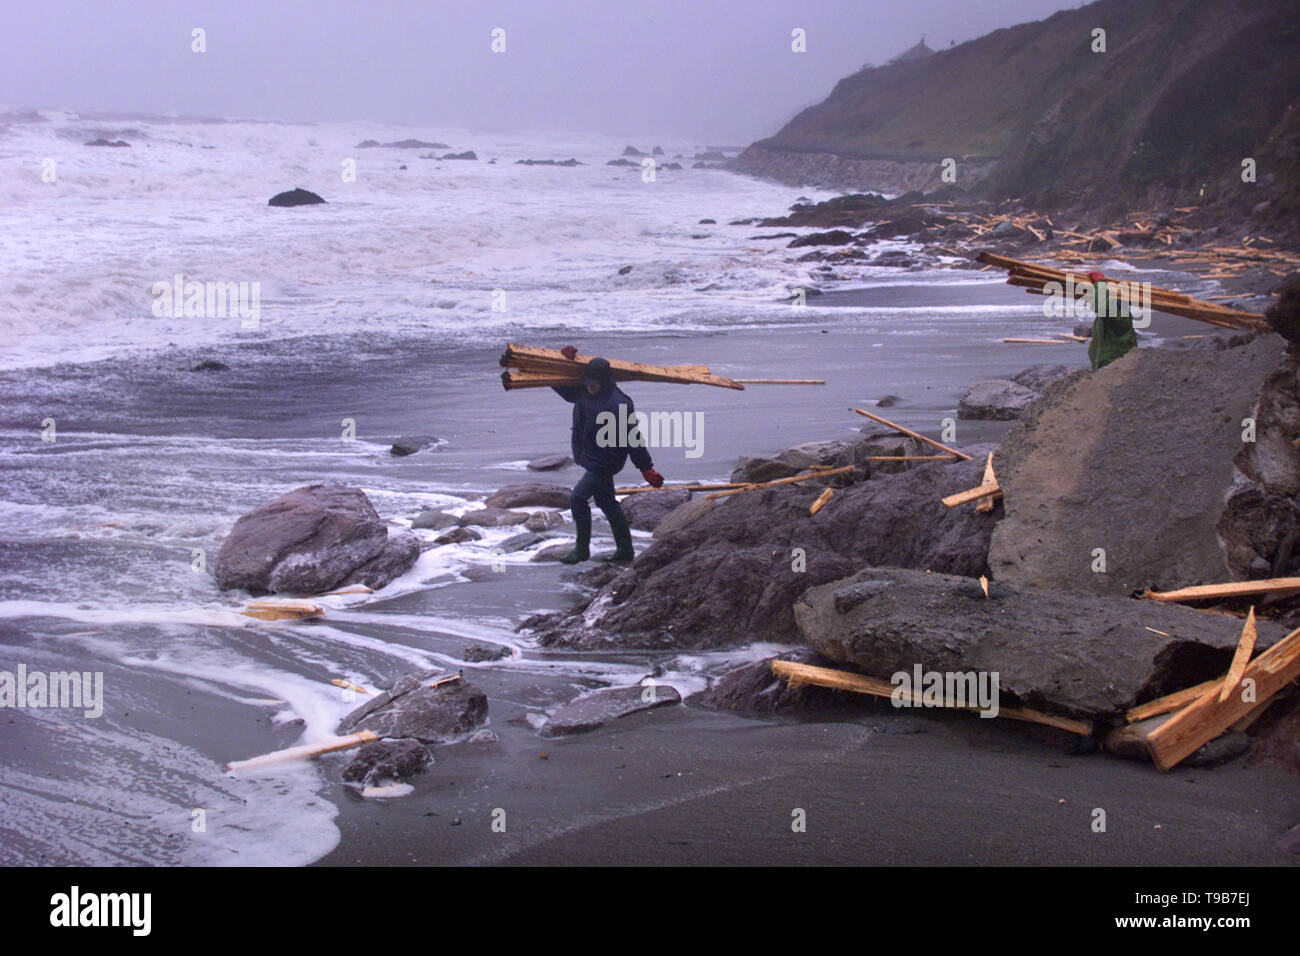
{"x":552,"y":553}
{"x":295,"y":197}
{"x":468,"y":154}
{"x":457,"y":536}
{"x":645,"y":510}
{"x":547,"y":162}
{"x":625,"y":270}
{"x":414,"y":709}
{"x":754,"y":689}
{"x":1038,"y":377}
{"x":530,"y":496}
{"x":107,"y":142}
{"x":809,"y":257}
{"x":401,"y":144}
{"x":836,"y":237}
{"x":549,"y":462}
{"x":708,"y":222}
{"x":519,"y":542}
{"x":1083,"y":330}
{"x":434,"y":520}
{"x":757,"y":469}
{"x":410,"y":444}
{"x":711,"y":155}
{"x":210,"y":365}
{"x":670,"y":165}
{"x":996,"y":400}
{"x":889,"y":401}
{"x":544,"y":520}
{"x":1090,"y":466}
{"x":622,"y":162}
{"x":592,"y":710}
{"x":491,"y":517}
{"x":398,"y":556}
{"x":403,"y":166}
{"x":382,"y":760}
{"x":478,"y":653}
{"x":894,"y":258}
{"x":632,"y":151}
{"x":1086,"y":656}
{"x":727,"y":572}
{"x":657,"y":151}
{"x":305,"y":542}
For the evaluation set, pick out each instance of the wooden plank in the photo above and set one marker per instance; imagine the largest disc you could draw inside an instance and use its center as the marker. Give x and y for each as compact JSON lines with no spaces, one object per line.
{"x":1174,"y":701}
{"x":283,"y":610}
{"x":781,"y":381}
{"x":795,"y":674}
{"x":974,"y":494}
{"x":348,"y":685}
{"x":988,"y":503}
{"x":910,"y":458}
{"x":1035,"y":342}
{"x":1208,"y":716}
{"x":305,"y":752}
{"x":824,"y":497}
{"x":1202,"y":592}
{"x":641,"y":489}
{"x":1245,"y":647}
{"x":532,"y":358}
{"x":781,"y":481}
{"x":919,"y":437}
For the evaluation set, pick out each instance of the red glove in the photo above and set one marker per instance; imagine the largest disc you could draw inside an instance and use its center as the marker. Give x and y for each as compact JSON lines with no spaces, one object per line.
{"x":655,"y":479}
{"x":569,"y":352}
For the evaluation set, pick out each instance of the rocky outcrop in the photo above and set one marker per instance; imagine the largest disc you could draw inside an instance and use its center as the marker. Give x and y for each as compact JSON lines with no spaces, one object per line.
{"x":312,"y":540}
{"x":295,"y":197}
{"x":730,"y":575}
{"x":530,"y":496}
{"x":596,"y":709}
{"x":827,"y":170}
{"x":1080,"y":655}
{"x":401,"y":144}
{"x":995,"y":400}
{"x":410,"y":444}
{"x":646,"y":509}
{"x":414,"y":709}
{"x":753,"y":689}
{"x":1115,"y":480}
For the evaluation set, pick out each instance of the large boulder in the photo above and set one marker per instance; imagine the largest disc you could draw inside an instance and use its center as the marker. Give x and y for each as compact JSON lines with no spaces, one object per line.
{"x":1134,"y":459}
{"x":995,"y":400}
{"x":308,"y":541}
{"x":383,"y":760}
{"x":593,"y":710}
{"x":646,"y":509}
{"x":1080,"y":655}
{"x":295,"y":197}
{"x":730,"y":574}
{"x":410,"y":444}
{"x":530,"y":495}
{"x":414,"y":709}
{"x":399,"y":554}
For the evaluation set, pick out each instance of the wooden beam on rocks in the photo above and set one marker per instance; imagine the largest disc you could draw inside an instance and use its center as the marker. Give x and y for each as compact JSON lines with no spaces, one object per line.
{"x":781,"y":481}
{"x":283,"y":610}
{"x":824,"y":497}
{"x":1170,"y":702}
{"x":990,"y":481}
{"x":1201,"y":592}
{"x":1240,"y":658}
{"x":974,"y":494}
{"x":305,"y":752}
{"x":641,"y":489}
{"x":795,"y":674}
{"x":1208,"y":716}
{"x":911,"y":434}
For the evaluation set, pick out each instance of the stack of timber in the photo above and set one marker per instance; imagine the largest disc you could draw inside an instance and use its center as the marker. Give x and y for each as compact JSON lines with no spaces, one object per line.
{"x":1035,"y":279}
{"x":529,"y":367}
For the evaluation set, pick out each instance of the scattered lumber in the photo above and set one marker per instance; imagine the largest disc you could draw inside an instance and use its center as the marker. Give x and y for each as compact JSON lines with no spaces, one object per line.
{"x":1170,"y":702}
{"x":780,"y":381}
{"x":283,"y":610}
{"x":530,"y":367}
{"x":1207,"y":717}
{"x":1201,"y":592}
{"x":1035,"y":278}
{"x":974,"y":494}
{"x":796,"y":674}
{"x":990,"y":480}
{"x":781,"y":481}
{"x":911,"y":434}
{"x":824,"y":497}
{"x":907,"y":458}
{"x":348,"y":685}
{"x":641,"y":489}
{"x":1241,"y":657}
{"x":305,"y":752}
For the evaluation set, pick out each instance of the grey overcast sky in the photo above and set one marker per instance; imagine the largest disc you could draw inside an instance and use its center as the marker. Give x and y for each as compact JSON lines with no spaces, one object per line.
{"x":719,"y":72}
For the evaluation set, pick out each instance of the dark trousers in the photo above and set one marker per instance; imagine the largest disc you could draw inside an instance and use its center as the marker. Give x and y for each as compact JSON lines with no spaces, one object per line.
{"x":593,"y":485}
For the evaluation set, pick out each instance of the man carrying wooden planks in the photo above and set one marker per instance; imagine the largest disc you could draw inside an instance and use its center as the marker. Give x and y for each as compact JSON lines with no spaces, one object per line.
{"x":1112,"y":331}
{"x":595,"y":398}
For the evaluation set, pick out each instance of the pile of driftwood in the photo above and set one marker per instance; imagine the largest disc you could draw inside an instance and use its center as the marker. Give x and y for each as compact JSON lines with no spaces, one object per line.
{"x":1035,"y":279}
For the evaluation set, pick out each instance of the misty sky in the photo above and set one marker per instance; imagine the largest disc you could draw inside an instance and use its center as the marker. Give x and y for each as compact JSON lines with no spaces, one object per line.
{"x":718,"y":72}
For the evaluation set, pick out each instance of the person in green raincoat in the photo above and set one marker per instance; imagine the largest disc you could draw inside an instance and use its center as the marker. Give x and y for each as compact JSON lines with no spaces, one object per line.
{"x":1112,"y":330}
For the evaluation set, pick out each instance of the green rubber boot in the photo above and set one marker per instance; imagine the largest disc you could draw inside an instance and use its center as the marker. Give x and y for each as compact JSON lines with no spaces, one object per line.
{"x":622,"y":538}
{"x":582,"y":548}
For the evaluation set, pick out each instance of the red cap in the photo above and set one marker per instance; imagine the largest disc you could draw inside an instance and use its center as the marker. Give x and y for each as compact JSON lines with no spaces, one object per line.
{"x":1097,"y":276}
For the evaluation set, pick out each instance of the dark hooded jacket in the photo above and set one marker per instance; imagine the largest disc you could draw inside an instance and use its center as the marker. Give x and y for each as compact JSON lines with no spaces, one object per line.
{"x":586,"y":409}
